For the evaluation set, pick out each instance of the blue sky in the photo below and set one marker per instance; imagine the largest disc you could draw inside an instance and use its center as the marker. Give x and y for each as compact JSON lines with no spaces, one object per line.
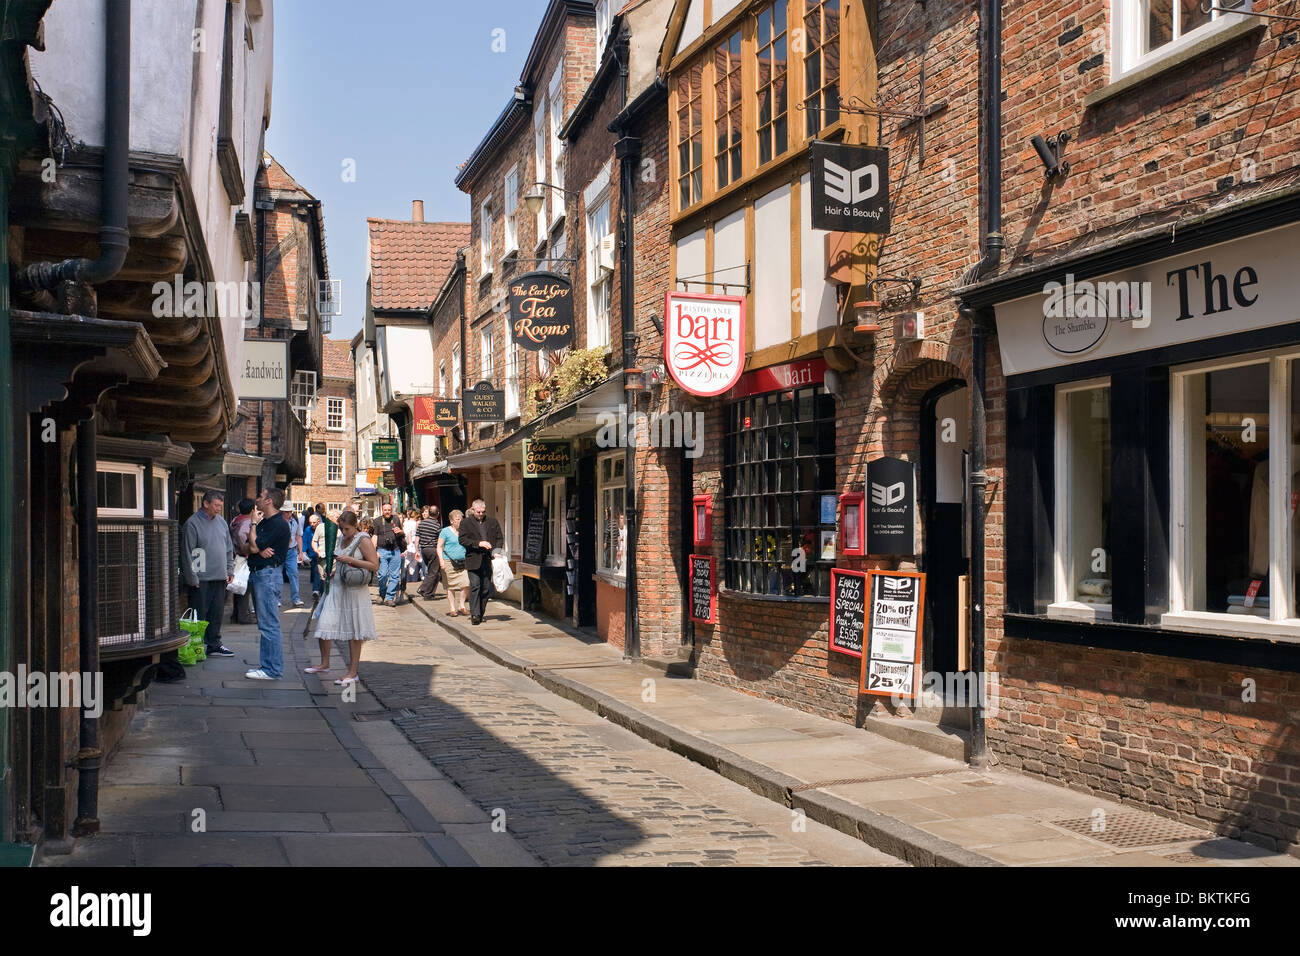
{"x":406,"y":88}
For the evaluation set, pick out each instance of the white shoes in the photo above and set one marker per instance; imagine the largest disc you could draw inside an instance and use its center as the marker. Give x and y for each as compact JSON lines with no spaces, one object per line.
{"x":259,"y":674}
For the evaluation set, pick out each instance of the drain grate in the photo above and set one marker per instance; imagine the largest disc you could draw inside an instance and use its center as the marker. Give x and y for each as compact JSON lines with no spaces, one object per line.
{"x":365,"y":715}
{"x":1126,"y":830}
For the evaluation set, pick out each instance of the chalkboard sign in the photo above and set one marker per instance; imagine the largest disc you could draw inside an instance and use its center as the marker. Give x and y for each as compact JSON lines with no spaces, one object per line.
{"x":533,"y":538}
{"x":848,"y":611}
{"x":893,"y":652}
{"x":703,"y":593}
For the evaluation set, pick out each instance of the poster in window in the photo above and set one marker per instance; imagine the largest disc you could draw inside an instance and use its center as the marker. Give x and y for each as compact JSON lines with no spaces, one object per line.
{"x":892,"y":656}
{"x":828,"y":509}
{"x":828,"y":545}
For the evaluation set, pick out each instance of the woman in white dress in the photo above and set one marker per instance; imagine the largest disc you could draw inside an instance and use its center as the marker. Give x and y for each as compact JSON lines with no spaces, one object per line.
{"x":346,"y":614}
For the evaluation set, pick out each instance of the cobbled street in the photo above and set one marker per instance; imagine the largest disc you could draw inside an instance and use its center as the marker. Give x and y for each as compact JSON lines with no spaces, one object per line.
{"x":571,"y":787}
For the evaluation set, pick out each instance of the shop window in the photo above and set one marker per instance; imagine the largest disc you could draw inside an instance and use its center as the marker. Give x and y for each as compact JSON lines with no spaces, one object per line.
{"x":771,"y":82}
{"x":780,"y":463}
{"x":553,"y":502}
{"x":690,"y":136}
{"x":1083,"y":453}
{"x":821,"y":65}
{"x":1234,"y":478}
{"x":612,"y":492}
{"x":727,"y":110}
{"x":138,"y":556}
{"x":1147,"y":30}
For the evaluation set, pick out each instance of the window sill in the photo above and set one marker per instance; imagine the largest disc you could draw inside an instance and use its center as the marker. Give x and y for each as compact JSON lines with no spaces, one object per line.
{"x":1237,"y":625}
{"x":1079,"y":611}
{"x":769,"y":598}
{"x":1235,"y":26}
{"x":610,"y":578}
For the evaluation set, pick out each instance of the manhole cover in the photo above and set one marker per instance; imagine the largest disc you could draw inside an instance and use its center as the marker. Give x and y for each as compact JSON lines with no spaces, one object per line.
{"x":1130,"y":829}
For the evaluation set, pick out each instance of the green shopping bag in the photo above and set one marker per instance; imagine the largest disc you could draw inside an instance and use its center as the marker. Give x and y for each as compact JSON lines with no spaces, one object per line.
{"x":194,"y":651}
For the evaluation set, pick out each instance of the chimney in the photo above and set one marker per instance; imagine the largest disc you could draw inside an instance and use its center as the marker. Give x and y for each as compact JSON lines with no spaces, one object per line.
{"x":417,"y":210}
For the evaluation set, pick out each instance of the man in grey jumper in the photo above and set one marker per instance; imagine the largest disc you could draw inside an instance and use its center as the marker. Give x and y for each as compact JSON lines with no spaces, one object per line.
{"x":209,"y":563}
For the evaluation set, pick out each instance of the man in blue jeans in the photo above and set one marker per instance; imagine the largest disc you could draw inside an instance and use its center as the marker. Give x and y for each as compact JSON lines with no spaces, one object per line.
{"x":390,"y":555}
{"x":268,"y":539}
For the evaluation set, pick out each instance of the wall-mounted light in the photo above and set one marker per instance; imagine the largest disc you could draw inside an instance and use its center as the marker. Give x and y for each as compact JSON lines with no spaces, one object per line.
{"x":866,"y":316}
{"x":536,"y":195}
{"x":1049,"y":151}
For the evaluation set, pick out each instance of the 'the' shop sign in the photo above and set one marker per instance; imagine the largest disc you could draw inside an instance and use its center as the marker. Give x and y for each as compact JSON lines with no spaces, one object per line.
{"x":704,"y":340}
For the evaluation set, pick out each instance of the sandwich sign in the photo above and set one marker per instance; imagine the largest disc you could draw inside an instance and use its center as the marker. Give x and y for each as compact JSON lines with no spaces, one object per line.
{"x":704,"y":340}
{"x":850,"y":188}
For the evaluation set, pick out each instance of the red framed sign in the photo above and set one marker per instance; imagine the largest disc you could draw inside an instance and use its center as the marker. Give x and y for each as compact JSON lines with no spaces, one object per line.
{"x":702,"y":521}
{"x":848,"y":611}
{"x":891,"y":661}
{"x":853,"y":523}
{"x":704,"y":589}
{"x":704,"y":340}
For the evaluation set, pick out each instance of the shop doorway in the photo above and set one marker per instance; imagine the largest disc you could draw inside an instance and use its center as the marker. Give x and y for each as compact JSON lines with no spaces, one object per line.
{"x":945,"y":449}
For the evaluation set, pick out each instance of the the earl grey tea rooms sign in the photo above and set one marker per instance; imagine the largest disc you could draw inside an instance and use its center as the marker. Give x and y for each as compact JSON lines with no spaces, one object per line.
{"x":541,"y":311}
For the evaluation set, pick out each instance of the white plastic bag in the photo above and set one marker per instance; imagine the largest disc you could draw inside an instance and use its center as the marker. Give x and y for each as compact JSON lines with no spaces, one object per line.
{"x":502,"y":576}
{"x":239,"y":583}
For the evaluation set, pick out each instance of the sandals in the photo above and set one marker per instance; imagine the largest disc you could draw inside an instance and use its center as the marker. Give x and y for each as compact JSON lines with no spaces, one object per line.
{"x":316,"y":670}
{"x":345,"y":681}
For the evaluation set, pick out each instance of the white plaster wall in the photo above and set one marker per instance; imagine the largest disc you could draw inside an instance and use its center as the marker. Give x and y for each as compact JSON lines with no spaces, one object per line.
{"x":690,"y":259}
{"x":729,"y":251}
{"x":693,"y":28}
{"x":772,"y":268}
{"x":407,"y":360}
{"x":818,"y":294}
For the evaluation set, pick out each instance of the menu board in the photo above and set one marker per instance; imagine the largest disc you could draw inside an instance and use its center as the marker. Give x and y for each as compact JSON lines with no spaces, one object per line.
{"x":534,"y":536}
{"x":703,"y":592}
{"x":848,"y":611}
{"x":893,"y":655}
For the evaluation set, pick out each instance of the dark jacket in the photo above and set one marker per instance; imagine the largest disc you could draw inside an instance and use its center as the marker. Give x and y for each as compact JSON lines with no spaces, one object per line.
{"x":388,"y":534}
{"x":472,"y":532}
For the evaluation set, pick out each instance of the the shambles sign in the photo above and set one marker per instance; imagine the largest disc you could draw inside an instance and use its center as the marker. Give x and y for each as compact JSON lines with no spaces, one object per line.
{"x":541,"y":311}
{"x":483,"y":403}
{"x":850,"y":188}
{"x":548,"y":459}
{"x":893,"y":653}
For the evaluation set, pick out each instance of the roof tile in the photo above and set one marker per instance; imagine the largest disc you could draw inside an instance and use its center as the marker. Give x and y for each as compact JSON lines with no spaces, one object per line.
{"x":409,"y":261}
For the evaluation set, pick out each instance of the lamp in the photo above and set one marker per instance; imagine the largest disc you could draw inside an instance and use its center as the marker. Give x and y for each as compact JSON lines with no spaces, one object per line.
{"x":535,"y":196}
{"x":866,"y":316}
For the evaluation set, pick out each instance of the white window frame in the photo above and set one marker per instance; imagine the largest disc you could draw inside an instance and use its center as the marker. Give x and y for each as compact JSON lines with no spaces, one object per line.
{"x":486,"y":342}
{"x":512,"y":377}
{"x":302,"y":395}
{"x":540,"y":119}
{"x":619,"y":457}
{"x":122,"y":468}
{"x":329,"y":414}
{"x":1129,"y":24}
{"x":600,"y":285}
{"x":307,"y":480}
{"x":485,"y":239}
{"x":556,"y":106}
{"x":511,"y":187}
{"x":1064,"y":605}
{"x":165,"y":475}
{"x":604,"y":20}
{"x":343,"y":466}
{"x":1279,"y":525}
{"x":442,"y":378}
{"x":516,"y":514}
{"x":455,"y":371}
{"x":557,"y":541}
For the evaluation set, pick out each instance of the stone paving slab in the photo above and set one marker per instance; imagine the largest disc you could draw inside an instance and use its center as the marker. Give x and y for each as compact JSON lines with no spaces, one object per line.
{"x":347,"y":850}
{"x":896,"y":798}
{"x":209,"y":849}
{"x":243,"y":821}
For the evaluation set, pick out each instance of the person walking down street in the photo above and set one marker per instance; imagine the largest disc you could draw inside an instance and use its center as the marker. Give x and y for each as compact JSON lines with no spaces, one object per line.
{"x":346,"y":613}
{"x":388,"y":535}
{"x":411,"y":564}
{"x":451,"y":559}
{"x":242,"y":610}
{"x":427,"y":532}
{"x":294,"y":556}
{"x":269,"y":541}
{"x":313,"y":542}
{"x":209,"y":568}
{"x":479,"y":535}
{"x":331,"y":536}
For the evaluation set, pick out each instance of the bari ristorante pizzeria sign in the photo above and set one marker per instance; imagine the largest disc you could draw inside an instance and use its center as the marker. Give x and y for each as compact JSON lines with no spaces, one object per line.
{"x":541,"y":311}
{"x":704,"y":340}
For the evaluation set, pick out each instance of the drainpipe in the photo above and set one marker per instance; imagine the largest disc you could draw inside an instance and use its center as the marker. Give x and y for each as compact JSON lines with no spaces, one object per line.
{"x":89,"y":756}
{"x":991,"y":257}
{"x":113,"y":236}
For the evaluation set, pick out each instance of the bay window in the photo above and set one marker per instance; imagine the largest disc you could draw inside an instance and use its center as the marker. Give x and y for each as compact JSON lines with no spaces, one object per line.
{"x":780,"y":463}
{"x":821,"y":65}
{"x":770,"y":82}
{"x":690,"y":136}
{"x":727,"y":110}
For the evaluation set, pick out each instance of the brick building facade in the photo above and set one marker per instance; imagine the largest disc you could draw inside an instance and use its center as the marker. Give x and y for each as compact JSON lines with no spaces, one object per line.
{"x":330,"y":422}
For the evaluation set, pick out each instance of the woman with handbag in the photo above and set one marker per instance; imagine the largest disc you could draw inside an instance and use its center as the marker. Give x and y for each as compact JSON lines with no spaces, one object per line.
{"x":345,"y":613}
{"x":451,"y":559}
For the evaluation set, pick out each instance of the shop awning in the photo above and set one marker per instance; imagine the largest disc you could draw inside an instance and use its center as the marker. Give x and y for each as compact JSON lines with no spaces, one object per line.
{"x":577,"y":417}
{"x":425,"y":471}
{"x":473,"y":459}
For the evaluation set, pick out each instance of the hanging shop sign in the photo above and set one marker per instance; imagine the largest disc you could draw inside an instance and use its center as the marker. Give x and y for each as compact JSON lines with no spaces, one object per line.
{"x":891,"y":506}
{"x":384,"y":450}
{"x":548,"y":459}
{"x":704,"y":341}
{"x":893,"y":654}
{"x":541,"y":311}
{"x":374,"y":476}
{"x":265,"y":372}
{"x":704,"y":591}
{"x":848,"y":611}
{"x":483,"y":403}
{"x":535,"y":536}
{"x":423,"y":419}
{"x":850,"y":188}
{"x":445,"y":412}
{"x":316,"y":447}
{"x":390,"y":480}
